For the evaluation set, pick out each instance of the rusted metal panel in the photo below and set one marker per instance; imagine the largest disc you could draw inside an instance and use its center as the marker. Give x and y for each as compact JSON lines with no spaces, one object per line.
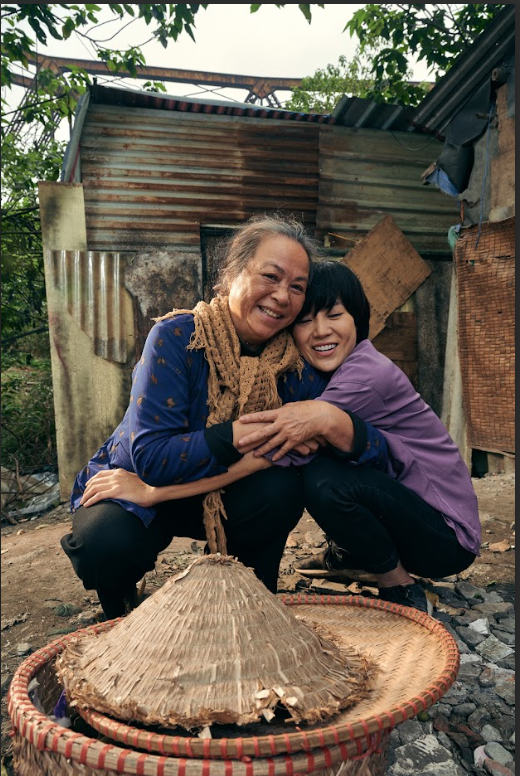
{"x":152,"y":177}
{"x":362,"y":113}
{"x":367,"y":174}
{"x":91,"y":284}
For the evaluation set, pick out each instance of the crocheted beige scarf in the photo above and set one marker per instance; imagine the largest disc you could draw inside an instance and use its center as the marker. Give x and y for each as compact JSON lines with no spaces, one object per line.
{"x":237,"y":384}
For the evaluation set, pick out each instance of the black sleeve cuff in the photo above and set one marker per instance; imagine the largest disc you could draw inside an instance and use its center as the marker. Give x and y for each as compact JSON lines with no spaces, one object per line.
{"x":360,"y":439}
{"x":219,"y":439}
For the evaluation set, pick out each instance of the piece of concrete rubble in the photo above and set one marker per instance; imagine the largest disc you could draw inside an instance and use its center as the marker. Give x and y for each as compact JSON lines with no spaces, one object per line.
{"x":496,"y":751}
{"x":506,"y":691}
{"x":425,"y":756}
{"x":493,"y":649}
{"x":480,"y":626}
{"x":490,"y":734}
{"x":496,"y":769}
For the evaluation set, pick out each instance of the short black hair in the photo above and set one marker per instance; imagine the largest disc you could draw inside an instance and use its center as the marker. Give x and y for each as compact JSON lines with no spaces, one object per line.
{"x":333,"y":281}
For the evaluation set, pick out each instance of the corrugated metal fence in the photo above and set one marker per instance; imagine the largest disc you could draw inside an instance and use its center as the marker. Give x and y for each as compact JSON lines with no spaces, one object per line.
{"x":366,"y":174}
{"x":151,"y":178}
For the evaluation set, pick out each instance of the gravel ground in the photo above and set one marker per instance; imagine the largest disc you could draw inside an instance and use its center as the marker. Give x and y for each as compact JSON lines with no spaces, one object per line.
{"x":471,"y":730}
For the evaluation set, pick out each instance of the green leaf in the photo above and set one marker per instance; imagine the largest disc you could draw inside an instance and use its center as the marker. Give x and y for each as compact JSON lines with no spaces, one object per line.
{"x":55,"y":34}
{"x":306,"y":11}
{"x":68,"y":28}
{"x":130,"y":66}
{"x":188,"y":29}
{"x":254,"y":7}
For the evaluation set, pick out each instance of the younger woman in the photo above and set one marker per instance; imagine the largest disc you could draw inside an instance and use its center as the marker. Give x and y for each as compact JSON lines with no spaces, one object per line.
{"x":419,"y":514}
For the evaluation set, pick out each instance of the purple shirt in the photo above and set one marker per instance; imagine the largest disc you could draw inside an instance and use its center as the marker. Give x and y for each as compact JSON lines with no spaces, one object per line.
{"x":421,"y":454}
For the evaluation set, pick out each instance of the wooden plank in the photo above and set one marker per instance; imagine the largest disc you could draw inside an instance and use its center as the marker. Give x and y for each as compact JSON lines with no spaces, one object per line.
{"x":389,"y":268}
{"x":398,"y":341}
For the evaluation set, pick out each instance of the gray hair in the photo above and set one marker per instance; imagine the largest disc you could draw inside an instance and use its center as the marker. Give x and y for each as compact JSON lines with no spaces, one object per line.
{"x":243,"y":245}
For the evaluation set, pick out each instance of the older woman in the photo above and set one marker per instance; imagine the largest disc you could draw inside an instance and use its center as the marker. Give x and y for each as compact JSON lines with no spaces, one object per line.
{"x":200,"y":370}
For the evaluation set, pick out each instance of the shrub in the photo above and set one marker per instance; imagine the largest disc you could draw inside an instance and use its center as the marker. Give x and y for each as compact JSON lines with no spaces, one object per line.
{"x":28,"y":429}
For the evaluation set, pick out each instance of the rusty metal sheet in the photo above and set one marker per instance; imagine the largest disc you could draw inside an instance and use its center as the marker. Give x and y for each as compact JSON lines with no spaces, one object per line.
{"x":91,"y":284}
{"x":367,"y":174}
{"x":359,"y":112}
{"x":151,"y":178}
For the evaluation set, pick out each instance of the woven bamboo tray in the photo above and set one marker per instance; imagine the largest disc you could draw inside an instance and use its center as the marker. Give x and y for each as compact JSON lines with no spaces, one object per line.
{"x":418,"y":662}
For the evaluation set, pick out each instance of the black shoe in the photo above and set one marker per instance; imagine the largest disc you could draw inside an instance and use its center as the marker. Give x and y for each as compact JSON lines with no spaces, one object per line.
{"x":407,"y":595}
{"x":330,"y":565}
{"x":117,"y":604}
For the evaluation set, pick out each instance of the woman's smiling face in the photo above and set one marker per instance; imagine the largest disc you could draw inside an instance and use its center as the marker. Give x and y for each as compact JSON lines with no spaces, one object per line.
{"x":326,"y":338}
{"x":269,"y":293}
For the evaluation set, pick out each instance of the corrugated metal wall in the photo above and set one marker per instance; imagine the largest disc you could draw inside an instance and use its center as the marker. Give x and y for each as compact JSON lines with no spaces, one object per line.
{"x":152,"y":177}
{"x":91,"y":286}
{"x":365,"y":174}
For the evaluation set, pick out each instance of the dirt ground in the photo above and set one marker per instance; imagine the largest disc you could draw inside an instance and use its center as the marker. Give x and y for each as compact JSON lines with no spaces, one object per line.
{"x":41,"y":597}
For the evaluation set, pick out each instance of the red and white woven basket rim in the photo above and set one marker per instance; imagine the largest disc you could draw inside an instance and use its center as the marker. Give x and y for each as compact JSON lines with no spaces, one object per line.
{"x":288,"y":753}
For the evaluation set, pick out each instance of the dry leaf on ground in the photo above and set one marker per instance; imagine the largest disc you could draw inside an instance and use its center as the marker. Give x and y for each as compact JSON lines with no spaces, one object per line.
{"x":500,"y":546}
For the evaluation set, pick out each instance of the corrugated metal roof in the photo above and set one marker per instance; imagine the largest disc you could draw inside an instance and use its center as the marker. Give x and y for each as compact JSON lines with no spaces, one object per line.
{"x":467,"y":74}
{"x":366,"y":114}
{"x":349,"y":112}
{"x":110,"y":95}
{"x":154,"y":170}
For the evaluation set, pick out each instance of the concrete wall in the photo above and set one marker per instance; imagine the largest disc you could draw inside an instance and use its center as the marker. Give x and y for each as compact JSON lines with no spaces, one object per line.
{"x":89,"y":391}
{"x":432,"y":302}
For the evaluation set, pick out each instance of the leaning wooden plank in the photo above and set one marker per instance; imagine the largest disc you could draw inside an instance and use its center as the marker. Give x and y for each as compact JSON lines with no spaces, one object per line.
{"x":389,"y":268}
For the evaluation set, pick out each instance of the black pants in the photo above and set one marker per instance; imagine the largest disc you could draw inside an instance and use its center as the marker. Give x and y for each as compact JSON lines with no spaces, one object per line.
{"x":377,"y":521}
{"x":111,"y":549}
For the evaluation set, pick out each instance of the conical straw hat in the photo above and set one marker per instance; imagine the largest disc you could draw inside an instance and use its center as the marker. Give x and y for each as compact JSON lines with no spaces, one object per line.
{"x":213,"y":645}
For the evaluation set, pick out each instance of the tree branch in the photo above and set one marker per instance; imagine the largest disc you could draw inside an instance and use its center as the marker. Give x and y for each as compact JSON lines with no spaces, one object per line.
{"x":25,"y":334}
{"x":19,"y":312}
{"x":429,"y":22}
{"x":460,"y":29}
{"x":92,"y":40}
{"x":20,"y":212}
{"x":101,"y":24}
{"x":32,"y":105}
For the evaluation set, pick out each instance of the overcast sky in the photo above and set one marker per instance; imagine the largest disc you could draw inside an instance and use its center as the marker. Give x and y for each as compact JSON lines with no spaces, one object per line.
{"x":229,"y":39}
{"x":270,"y":42}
